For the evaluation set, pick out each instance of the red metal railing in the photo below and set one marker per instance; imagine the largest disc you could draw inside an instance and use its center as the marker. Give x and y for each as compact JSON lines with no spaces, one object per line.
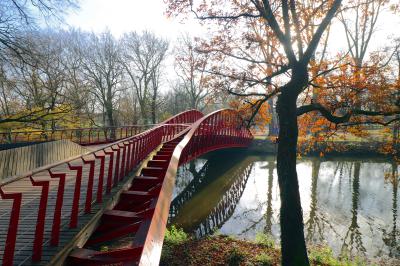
{"x":143,"y":207}
{"x":91,"y":136}
{"x":122,"y":158}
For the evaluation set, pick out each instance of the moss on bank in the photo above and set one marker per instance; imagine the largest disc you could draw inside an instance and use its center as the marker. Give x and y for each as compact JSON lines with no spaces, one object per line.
{"x":180,"y":249}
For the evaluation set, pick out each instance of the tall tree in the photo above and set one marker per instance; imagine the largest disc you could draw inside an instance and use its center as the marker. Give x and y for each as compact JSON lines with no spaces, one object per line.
{"x":78,"y":86}
{"x":190,"y":66}
{"x":102,"y":65}
{"x":17,"y":17}
{"x":143,"y":55}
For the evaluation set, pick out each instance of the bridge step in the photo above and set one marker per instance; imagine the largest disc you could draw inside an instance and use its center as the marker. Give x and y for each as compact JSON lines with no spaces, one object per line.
{"x":114,"y":233}
{"x":169,"y":149}
{"x":161,"y":157}
{"x":168,"y":153}
{"x":153,"y":171}
{"x":170,"y":145}
{"x":135,"y":197}
{"x":116,"y":216}
{"x":144,"y":182}
{"x":158,"y":163}
{"x":87,"y":257}
{"x":153,"y":191}
{"x":132,"y":206}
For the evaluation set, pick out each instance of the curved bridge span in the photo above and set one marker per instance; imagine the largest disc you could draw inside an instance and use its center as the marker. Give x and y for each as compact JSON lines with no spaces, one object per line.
{"x":108,"y":198}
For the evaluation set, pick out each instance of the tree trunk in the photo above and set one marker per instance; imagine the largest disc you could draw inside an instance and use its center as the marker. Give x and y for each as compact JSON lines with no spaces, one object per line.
{"x":272,"y":127}
{"x":110,"y":119}
{"x":143,"y":112}
{"x":293,"y":245}
{"x":154,"y":109}
{"x":269,"y":212}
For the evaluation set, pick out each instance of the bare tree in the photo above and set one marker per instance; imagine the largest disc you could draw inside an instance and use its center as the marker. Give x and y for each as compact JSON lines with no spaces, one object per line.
{"x":190,"y":66}
{"x":142,"y":60}
{"x":101,"y":63}
{"x":359,"y":25}
{"x":39,"y":79}
{"x":16,"y":15}
{"x":78,"y":87}
{"x":16,"y":18}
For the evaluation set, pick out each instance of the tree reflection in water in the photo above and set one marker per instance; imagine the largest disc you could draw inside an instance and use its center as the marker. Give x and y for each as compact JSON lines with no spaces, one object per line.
{"x":346,"y":202}
{"x":269,"y":213}
{"x":352,"y":241}
{"x":390,"y":237}
{"x":317,"y":220}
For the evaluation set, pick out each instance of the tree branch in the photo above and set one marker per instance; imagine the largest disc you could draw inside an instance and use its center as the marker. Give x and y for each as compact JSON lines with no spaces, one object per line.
{"x":344,"y":118}
{"x":318,"y":34}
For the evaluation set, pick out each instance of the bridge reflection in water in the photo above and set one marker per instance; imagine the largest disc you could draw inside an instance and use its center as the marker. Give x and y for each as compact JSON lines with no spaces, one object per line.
{"x":227,"y":179}
{"x":349,"y":204}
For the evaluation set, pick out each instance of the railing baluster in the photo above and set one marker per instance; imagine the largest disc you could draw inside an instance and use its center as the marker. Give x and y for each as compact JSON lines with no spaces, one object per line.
{"x":41,"y":219}
{"x":55,"y":230}
{"x":110,"y":170}
{"x":128,"y":157}
{"x":77,"y":193}
{"x":122,"y":170}
{"x":99,"y":197}
{"x":89,"y":190}
{"x":116,"y":174}
{"x":9,"y":245}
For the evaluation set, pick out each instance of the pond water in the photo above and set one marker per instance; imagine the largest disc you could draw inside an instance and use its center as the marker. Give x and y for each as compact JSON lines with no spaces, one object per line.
{"x":349,"y":204}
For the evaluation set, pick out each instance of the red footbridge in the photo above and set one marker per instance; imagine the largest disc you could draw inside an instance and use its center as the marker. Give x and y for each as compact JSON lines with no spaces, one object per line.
{"x":109,"y":206}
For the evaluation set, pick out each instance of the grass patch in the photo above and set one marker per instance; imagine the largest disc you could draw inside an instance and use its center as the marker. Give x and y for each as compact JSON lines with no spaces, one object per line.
{"x":264,"y":240}
{"x":263,"y":260}
{"x":324,"y":256}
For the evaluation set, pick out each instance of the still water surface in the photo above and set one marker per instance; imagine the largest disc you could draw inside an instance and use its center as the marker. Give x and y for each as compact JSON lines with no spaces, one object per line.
{"x":349,"y":204}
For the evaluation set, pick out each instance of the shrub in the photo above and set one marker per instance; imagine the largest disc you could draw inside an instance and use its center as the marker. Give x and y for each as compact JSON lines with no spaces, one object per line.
{"x":175,"y":236}
{"x":264,"y":240}
{"x":235,"y":257}
{"x":324,"y":256}
{"x":263,"y":260}
{"x":214,"y":247}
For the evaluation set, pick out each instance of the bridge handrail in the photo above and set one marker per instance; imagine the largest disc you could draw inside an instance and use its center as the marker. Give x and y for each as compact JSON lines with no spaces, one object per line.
{"x":85,"y":135}
{"x":190,"y":115}
{"x":142,"y":143}
{"x":82,"y":128}
{"x":156,"y":228}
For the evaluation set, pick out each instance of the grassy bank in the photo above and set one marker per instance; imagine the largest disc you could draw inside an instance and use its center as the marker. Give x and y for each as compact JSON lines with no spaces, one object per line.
{"x":180,"y":249}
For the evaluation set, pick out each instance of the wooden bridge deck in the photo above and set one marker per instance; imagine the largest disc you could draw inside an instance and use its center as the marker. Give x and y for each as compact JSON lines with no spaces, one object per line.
{"x":29,"y":210}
